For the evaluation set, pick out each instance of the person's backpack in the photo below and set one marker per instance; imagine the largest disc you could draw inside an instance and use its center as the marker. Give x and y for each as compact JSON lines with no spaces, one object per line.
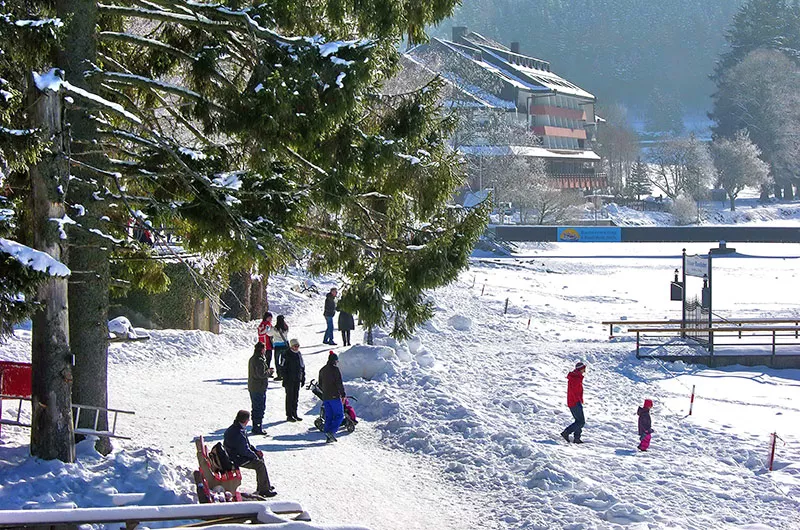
{"x":220,"y":461}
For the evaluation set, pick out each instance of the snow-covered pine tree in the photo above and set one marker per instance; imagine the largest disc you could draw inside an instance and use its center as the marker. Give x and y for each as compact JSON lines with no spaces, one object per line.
{"x":639,"y":182}
{"x":289,"y":145}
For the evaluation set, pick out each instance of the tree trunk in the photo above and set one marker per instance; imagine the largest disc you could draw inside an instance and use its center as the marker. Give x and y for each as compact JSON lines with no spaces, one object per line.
{"x":237,"y":298}
{"x":733,"y":202}
{"x":88,"y":256}
{"x":258,"y":298}
{"x":52,"y":434}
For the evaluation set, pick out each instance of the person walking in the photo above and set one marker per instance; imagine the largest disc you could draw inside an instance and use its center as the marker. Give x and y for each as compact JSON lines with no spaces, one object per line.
{"x":575,"y":403}
{"x":645,"y":425}
{"x":346,"y":325}
{"x":263,"y":337}
{"x":333,"y":396}
{"x":280,"y":343}
{"x":328,"y":312}
{"x":243,"y":454}
{"x":257,"y":377}
{"x":294,"y":376}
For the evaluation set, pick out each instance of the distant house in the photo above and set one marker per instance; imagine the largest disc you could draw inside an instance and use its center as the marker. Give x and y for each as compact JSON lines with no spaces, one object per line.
{"x":544,"y":115}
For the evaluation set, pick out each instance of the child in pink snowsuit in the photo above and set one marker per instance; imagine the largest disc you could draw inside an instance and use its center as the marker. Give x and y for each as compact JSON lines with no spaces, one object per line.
{"x":645,"y":424}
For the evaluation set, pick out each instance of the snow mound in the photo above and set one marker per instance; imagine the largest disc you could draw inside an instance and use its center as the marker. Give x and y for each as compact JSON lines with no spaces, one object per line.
{"x":401,"y":349}
{"x":425,"y":358}
{"x":122,"y":327}
{"x":368,"y":362}
{"x":414,"y":344}
{"x":460,"y":322}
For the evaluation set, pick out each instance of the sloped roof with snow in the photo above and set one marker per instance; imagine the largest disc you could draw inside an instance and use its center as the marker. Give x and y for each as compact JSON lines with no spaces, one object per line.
{"x":521,"y":71}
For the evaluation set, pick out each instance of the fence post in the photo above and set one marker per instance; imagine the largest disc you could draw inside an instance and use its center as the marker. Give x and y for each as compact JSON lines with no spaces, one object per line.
{"x":691,"y":401}
{"x":529,"y":323}
{"x":637,"y":344}
{"x":774,"y":437}
{"x":484,"y":287}
{"x":505,"y":309}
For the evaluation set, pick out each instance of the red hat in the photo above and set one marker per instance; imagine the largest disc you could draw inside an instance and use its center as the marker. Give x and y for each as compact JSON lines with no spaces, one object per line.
{"x":648,"y":403}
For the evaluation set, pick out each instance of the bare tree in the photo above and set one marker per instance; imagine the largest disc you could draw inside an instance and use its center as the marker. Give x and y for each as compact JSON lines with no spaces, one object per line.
{"x":738,"y":164}
{"x":618,"y":146}
{"x":684,"y":166}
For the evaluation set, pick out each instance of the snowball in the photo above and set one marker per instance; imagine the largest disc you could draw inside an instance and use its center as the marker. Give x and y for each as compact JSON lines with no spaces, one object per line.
{"x":367,"y":362}
{"x":425,"y":358}
{"x":460,"y":322}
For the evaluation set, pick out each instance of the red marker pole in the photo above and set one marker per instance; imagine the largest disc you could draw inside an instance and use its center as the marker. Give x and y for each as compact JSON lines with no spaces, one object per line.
{"x":772,"y":450}
{"x":691,"y":401}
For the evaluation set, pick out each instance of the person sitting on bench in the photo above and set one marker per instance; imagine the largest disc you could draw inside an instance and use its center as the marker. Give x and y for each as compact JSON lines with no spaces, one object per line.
{"x":242,"y":454}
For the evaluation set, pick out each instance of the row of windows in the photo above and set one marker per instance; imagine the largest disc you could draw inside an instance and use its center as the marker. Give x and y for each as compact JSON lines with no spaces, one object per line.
{"x":557,"y":121}
{"x":560,"y":142}
{"x":565,"y":102}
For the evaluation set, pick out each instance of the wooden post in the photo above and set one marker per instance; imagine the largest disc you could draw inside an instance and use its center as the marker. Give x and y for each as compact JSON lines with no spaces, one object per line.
{"x":52,"y":435}
{"x":505,"y":309}
{"x":772,"y":450}
{"x":484,"y":287}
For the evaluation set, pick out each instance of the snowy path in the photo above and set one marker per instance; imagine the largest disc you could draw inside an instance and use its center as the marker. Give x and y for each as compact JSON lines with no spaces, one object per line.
{"x":356,"y":481}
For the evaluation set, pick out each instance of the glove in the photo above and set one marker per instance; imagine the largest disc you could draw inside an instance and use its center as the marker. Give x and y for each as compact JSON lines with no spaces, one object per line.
{"x":259,"y":453}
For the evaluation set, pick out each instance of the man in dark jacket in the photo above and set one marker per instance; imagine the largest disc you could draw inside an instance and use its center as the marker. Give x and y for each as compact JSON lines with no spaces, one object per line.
{"x":294,"y":376}
{"x":328,"y":312}
{"x":575,"y":403}
{"x":330,"y":383}
{"x":242,"y":454}
{"x":257,"y":377}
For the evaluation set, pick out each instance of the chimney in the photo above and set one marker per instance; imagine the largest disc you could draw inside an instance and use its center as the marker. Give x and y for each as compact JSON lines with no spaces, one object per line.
{"x":458,"y":32}
{"x":515,"y":47}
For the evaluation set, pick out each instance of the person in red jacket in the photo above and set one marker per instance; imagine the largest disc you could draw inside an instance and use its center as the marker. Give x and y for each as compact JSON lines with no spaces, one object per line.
{"x":265,"y":339}
{"x":575,"y":403}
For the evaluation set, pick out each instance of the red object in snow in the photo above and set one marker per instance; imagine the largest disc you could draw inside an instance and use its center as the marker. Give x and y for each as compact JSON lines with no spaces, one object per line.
{"x":691,"y":401}
{"x":15,"y":381}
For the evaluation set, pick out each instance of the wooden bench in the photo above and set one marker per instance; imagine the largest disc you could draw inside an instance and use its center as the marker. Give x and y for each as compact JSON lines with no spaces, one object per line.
{"x":207,"y":479}
{"x":661,"y":324}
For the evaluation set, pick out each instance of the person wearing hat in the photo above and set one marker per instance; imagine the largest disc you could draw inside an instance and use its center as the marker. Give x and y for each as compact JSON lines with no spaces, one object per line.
{"x":575,"y":403}
{"x":294,"y":376}
{"x":333,"y":396}
{"x":645,"y":424}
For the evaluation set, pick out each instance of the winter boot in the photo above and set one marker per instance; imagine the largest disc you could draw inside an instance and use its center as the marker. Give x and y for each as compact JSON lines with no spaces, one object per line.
{"x":565,"y":435}
{"x":257,"y":430}
{"x":577,"y":441}
{"x":329,"y":438}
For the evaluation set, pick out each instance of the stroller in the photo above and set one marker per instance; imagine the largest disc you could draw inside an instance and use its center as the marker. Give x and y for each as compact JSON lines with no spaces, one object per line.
{"x":349,"y":422}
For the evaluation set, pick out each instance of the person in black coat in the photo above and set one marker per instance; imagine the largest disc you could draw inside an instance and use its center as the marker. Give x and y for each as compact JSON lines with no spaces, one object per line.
{"x":294,"y":376}
{"x":333,"y":395}
{"x":242,"y":454}
{"x":346,"y":325}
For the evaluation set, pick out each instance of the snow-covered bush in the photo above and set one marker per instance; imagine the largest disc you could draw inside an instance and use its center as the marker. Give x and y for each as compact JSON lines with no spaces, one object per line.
{"x":684,"y":210}
{"x":367,"y":362}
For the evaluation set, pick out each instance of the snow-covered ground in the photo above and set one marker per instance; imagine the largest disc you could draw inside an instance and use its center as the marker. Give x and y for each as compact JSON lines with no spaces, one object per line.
{"x":461,"y":430}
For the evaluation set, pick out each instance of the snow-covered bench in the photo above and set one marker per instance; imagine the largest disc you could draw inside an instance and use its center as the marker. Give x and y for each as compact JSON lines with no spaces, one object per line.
{"x":131,"y":516}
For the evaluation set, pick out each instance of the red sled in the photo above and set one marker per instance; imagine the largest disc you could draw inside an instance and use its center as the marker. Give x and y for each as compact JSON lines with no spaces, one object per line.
{"x":645,"y":443}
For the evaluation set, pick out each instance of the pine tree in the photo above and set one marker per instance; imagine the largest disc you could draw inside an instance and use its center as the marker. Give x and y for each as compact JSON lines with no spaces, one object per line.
{"x":639,"y":182}
{"x":260,"y":133}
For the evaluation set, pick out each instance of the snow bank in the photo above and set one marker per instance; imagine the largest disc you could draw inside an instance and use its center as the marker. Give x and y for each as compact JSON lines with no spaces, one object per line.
{"x":368,"y":362}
